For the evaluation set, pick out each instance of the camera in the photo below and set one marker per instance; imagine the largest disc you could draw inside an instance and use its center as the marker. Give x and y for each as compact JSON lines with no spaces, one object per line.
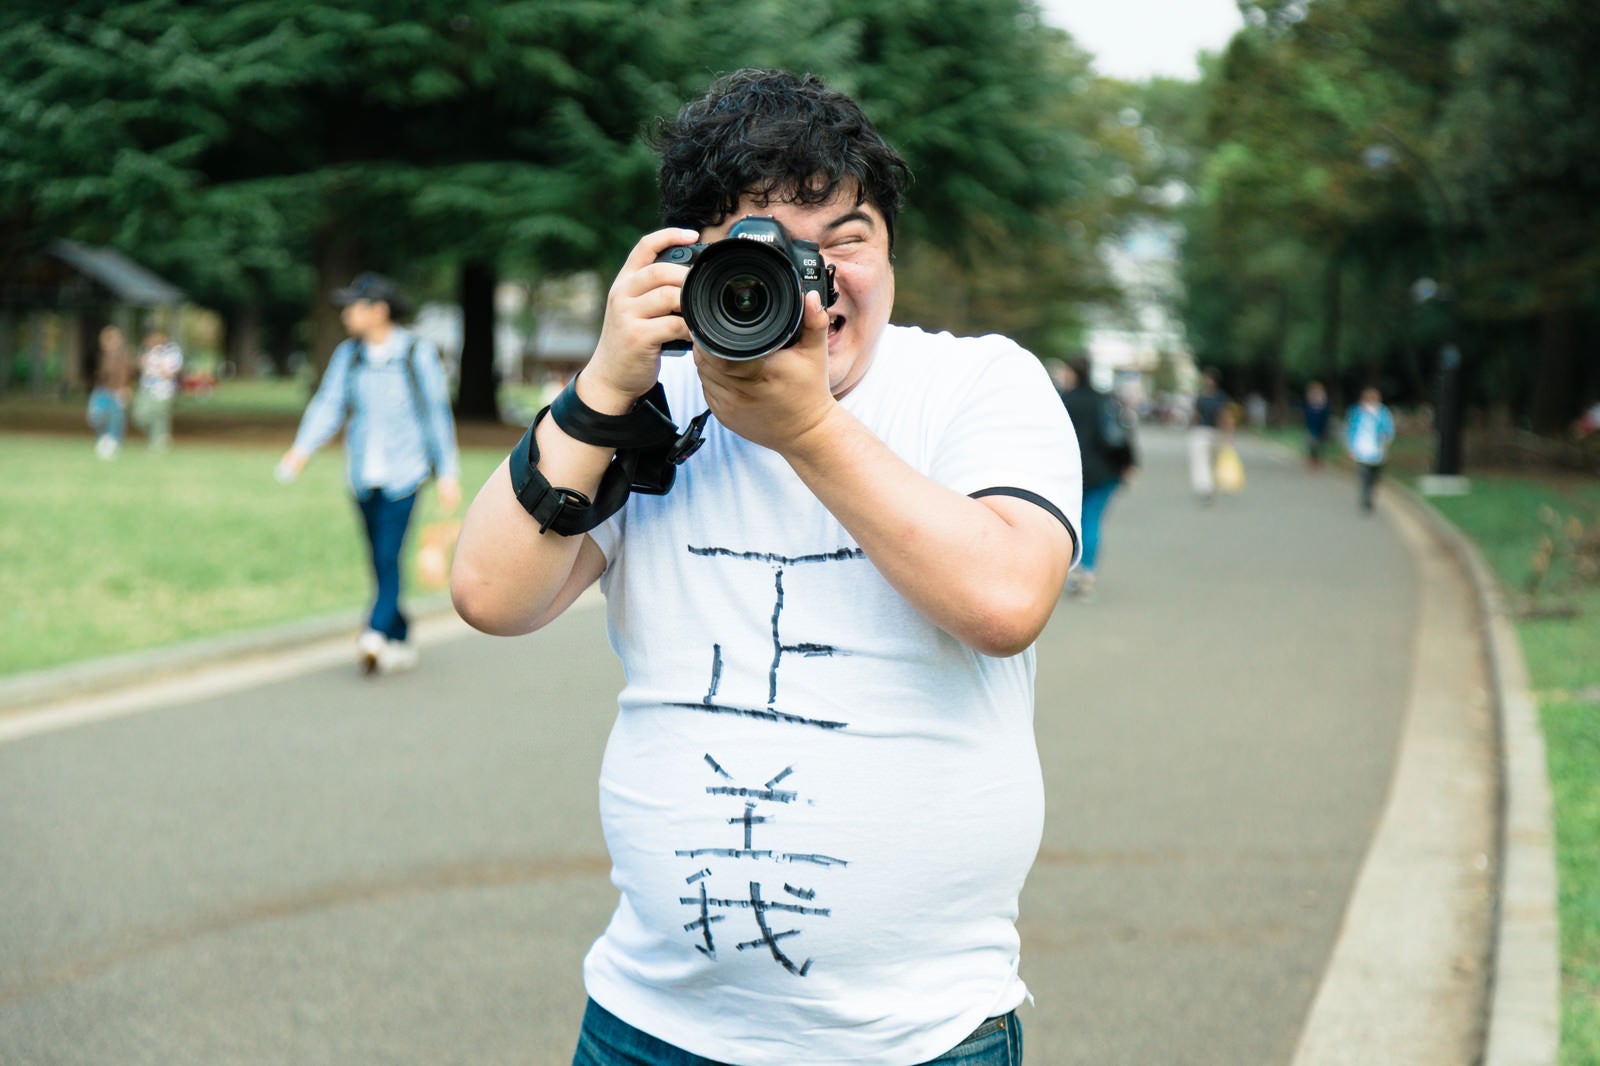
{"x":745,"y":295}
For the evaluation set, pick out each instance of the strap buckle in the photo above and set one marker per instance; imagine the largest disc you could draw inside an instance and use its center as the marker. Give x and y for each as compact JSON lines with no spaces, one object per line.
{"x":689,"y":441}
{"x":564,"y":500}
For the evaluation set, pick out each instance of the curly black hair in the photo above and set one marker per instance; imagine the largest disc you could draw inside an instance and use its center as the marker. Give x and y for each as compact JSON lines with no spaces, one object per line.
{"x":777,"y":136}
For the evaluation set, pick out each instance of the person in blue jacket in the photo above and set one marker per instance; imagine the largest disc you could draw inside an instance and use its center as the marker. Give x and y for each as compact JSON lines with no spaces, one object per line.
{"x":386,"y":388}
{"x":1369,"y":430}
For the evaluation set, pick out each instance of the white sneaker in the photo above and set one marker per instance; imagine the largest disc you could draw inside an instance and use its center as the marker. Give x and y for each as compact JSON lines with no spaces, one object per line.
{"x":106,"y":447}
{"x":370,"y":648}
{"x":397,"y":655}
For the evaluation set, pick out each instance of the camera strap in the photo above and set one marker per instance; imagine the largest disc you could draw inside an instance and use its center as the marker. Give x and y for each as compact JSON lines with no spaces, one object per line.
{"x":649,"y":450}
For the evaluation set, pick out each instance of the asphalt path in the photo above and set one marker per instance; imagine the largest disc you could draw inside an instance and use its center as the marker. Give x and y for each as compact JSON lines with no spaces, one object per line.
{"x":295,"y":864}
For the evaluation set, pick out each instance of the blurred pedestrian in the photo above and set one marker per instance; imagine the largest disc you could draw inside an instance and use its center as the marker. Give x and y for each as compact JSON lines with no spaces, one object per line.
{"x":1106,"y":445}
{"x":386,"y":388}
{"x":1206,"y":434}
{"x":1369,"y":430}
{"x":160,"y":365}
{"x":1227,"y":468}
{"x":1588,"y":423}
{"x":1255,"y":410}
{"x":108,"y":399}
{"x":1317,"y":411}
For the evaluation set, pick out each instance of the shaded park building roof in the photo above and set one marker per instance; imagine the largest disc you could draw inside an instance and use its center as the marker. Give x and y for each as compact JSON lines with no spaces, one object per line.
{"x":66,"y":275}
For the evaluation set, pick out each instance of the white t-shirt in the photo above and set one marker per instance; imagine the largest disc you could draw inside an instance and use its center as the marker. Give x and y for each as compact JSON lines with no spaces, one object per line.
{"x":820,"y":807}
{"x":159,"y":368}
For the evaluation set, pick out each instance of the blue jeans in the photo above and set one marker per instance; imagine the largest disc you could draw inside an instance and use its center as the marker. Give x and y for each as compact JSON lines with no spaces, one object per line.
{"x":386,"y":522}
{"x":1369,"y":482}
{"x":106,"y":416}
{"x":1095,"y":502}
{"x":607,"y":1040}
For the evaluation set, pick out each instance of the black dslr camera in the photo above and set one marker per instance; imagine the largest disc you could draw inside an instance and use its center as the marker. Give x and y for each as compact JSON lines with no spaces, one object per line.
{"x":745,"y":294}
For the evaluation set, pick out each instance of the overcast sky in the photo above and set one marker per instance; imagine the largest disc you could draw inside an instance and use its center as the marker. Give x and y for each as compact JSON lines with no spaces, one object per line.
{"x":1135,"y":39}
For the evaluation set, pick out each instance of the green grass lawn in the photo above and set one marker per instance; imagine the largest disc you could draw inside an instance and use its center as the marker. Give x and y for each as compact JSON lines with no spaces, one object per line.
{"x":98,"y":558}
{"x":256,"y":396}
{"x":1503,"y":516}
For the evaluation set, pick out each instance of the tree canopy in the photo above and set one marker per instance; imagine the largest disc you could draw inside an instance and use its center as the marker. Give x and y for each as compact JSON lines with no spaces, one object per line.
{"x":1359,"y":182}
{"x":1383,"y":178}
{"x":260,"y":151}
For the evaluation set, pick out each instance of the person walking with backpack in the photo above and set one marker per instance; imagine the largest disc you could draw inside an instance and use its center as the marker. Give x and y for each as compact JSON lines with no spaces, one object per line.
{"x":1105,"y":441}
{"x":386,"y":388}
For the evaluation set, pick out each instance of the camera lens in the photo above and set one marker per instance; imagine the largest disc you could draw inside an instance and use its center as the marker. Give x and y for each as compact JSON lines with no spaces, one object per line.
{"x":742,"y":299}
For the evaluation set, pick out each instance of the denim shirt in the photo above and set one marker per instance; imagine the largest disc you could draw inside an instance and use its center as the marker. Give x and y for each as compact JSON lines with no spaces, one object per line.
{"x":376,"y":403}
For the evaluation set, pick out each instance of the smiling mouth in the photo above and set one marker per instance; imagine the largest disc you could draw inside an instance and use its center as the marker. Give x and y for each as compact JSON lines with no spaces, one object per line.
{"x":835,"y":324}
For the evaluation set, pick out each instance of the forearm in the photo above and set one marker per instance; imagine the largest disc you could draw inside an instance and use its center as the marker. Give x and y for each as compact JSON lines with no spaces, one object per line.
{"x":987,"y":573}
{"x":507,"y":577}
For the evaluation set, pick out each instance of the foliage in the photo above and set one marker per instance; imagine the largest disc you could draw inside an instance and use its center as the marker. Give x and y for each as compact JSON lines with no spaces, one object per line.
{"x":1384,"y":177}
{"x":258,"y":151}
{"x":1521,"y":137}
{"x":1294,"y":224}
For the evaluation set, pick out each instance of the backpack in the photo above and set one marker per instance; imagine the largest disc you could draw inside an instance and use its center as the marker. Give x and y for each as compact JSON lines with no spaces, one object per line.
{"x":1115,"y":436}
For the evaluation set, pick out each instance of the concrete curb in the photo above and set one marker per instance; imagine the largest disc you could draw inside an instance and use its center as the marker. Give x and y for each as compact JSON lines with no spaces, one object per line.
{"x":1524,"y":1023}
{"x":23,"y":691}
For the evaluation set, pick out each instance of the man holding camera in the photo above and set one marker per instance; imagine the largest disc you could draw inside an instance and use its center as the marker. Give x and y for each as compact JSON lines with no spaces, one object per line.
{"x":821,"y":795}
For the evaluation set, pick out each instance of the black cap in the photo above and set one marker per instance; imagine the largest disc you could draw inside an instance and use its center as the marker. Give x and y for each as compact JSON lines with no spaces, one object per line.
{"x":374,"y":287}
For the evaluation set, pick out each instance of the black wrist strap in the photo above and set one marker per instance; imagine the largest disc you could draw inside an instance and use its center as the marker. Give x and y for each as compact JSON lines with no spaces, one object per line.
{"x":646,"y":425}
{"x":649,"y":450}
{"x":567,"y":511}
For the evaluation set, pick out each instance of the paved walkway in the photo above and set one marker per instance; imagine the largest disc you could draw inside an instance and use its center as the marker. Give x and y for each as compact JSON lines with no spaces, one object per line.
{"x":1271,"y":777}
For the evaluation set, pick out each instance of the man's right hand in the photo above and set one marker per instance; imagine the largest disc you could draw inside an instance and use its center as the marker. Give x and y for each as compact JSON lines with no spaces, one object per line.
{"x":641,"y":315}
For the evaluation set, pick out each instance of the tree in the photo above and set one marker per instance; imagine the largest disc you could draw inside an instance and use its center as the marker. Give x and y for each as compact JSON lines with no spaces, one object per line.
{"x":1292,"y":224}
{"x":996,"y":114}
{"x":1521,"y":147}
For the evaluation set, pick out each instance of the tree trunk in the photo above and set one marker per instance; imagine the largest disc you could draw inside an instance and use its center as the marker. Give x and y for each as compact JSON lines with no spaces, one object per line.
{"x":34,"y":324}
{"x":8,"y":350}
{"x":338,"y":259}
{"x":1553,"y":392}
{"x":1332,"y":313}
{"x":281,"y":332}
{"x":242,"y":330}
{"x":80,"y":345}
{"x":78,"y":374}
{"x":1280,"y":362}
{"x":475,"y":396}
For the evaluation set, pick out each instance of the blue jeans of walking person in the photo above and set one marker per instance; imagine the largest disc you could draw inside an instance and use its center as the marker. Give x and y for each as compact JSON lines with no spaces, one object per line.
{"x":106,"y":416}
{"x":386,"y":522}
{"x":1095,"y":502}
{"x":607,"y":1040}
